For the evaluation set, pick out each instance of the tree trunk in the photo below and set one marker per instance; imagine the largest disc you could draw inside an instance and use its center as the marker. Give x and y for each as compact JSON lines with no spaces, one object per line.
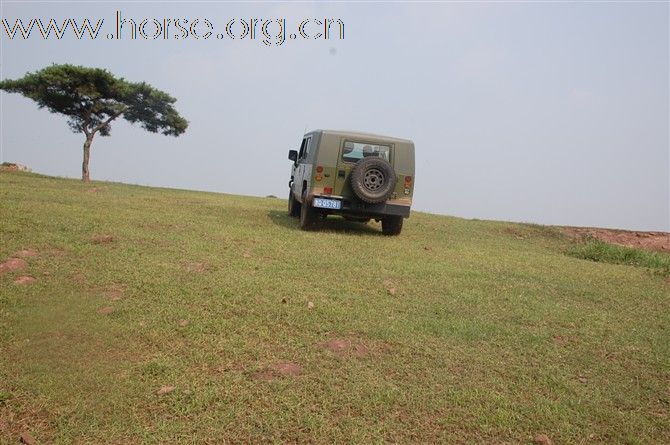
{"x":85,"y":176}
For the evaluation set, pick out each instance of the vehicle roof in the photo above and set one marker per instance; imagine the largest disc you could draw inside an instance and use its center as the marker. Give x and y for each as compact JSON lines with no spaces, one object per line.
{"x":358,"y":134}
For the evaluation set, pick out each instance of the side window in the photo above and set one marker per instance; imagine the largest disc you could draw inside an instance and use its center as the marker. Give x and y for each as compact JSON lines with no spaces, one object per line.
{"x":307,"y":147}
{"x":301,"y":153}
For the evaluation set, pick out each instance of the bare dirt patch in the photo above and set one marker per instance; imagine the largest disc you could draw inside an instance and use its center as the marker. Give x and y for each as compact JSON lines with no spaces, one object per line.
{"x":345,"y":347}
{"x":27,"y":439}
{"x":114,"y":295}
{"x":278,"y":370}
{"x":564,"y":340}
{"x":13,"y":167}
{"x":12,"y":265}
{"x":105,"y":310}
{"x":165,"y":390}
{"x":23,"y":423}
{"x":390,"y":287}
{"x":287,"y":369}
{"x":542,"y":439}
{"x":26,"y":253}
{"x":79,"y":278}
{"x":24,"y":279}
{"x":265,"y":375}
{"x":513,"y":232}
{"x":195,"y":267}
{"x":102,"y":239}
{"x":113,"y":292}
{"x":654,"y":241}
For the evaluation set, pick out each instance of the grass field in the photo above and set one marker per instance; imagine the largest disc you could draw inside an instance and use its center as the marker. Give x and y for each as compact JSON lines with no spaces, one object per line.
{"x":167,"y":316}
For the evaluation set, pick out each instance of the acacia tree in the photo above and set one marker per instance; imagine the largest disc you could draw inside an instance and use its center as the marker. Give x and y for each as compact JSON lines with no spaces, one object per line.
{"x":92,"y":98}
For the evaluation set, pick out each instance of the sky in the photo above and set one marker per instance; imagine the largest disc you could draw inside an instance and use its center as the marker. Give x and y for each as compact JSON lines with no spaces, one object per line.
{"x":550,"y":113}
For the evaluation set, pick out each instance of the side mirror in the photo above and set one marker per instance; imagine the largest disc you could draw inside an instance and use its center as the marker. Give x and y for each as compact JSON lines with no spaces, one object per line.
{"x":293,"y":155}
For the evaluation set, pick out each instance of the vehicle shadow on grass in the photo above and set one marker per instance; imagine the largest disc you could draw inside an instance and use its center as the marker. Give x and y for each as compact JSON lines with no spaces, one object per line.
{"x":331,"y":224}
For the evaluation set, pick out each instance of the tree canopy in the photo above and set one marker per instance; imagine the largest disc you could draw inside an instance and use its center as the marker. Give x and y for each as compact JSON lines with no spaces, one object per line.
{"x":92,"y":98}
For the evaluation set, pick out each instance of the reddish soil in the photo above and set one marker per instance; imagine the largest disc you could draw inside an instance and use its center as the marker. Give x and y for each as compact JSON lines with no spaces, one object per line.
{"x":11,"y":167}
{"x":165,"y":390}
{"x":542,"y":439}
{"x":266,"y":375}
{"x":79,"y":278}
{"x":114,"y":293}
{"x":278,"y":370}
{"x":27,"y":439}
{"x":12,"y":264}
{"x":287,"y":369}
{"x":25,"y":253}
{"x":515,"y":233}
{"x":390,"y":287}
{"x":345,"y":347}
{"x":24,"y":279}
{"x":561,"y":340}
{"x":655,"y":241}
{"x":23,"y":424}
{"x":195,"y":267}
{"x":102,"y":239}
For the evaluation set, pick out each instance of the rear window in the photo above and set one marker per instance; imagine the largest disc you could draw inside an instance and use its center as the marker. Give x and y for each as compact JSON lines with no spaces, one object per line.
{"x":355,"y":151}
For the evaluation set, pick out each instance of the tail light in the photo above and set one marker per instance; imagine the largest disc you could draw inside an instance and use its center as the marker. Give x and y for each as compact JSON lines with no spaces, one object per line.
{"x":319,"y":168}
{"x":408,"y":180}
{"x":328,"y":190}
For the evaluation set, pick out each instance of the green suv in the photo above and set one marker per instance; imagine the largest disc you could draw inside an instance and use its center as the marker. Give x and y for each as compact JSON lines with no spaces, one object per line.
{"x":357,"y":175}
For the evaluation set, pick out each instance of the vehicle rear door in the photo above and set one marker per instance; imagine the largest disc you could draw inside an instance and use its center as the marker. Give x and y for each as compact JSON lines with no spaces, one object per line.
{"x":352,"y":151}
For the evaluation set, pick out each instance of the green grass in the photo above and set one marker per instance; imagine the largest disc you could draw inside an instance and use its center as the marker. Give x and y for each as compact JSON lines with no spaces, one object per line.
{"x":596,"y":250}
{"x":492,"y":334}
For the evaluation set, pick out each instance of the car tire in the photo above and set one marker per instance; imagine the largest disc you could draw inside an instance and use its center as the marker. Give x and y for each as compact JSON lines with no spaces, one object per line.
{"x":372,"y":180}
{"x":309,"y":218}
{"x":392,"y":225}
{"x":293,"y":205}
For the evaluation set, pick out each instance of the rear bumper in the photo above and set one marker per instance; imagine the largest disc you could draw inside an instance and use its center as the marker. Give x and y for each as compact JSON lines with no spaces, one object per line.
{"x":358,"y":208}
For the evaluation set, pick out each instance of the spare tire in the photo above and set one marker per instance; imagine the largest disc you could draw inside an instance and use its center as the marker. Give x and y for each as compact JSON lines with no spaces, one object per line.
{"x":372,"y":180}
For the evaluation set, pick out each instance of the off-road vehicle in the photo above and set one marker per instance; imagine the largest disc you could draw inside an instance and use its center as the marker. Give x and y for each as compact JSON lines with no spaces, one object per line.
{"x":357,"y":175}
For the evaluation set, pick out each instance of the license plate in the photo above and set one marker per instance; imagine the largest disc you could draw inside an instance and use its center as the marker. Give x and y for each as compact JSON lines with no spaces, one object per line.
{"x":323,"y":203}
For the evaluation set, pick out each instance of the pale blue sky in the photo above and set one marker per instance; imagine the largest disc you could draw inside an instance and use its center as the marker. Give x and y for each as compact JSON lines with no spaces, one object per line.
{"x":553,"y":113}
